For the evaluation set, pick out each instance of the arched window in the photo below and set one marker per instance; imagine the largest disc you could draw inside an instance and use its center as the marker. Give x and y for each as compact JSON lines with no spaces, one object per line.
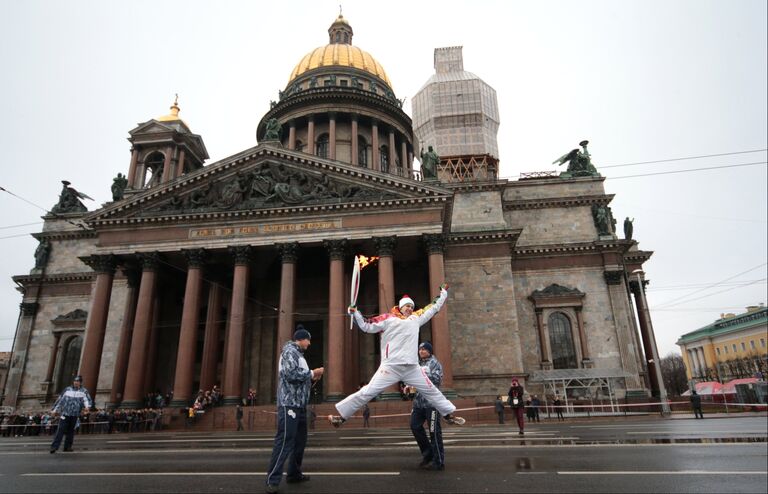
{"x":384,"y":158}
{"x":154,"y":165}
{"x":338,"y":36}
{"x":322,"y":146}
{"x":561,"y":341}
{"x":362,"y":151}
{"x":70,"y":362}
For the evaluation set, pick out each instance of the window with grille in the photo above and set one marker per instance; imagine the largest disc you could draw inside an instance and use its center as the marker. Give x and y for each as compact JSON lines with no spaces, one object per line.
{"x":561,"y":342}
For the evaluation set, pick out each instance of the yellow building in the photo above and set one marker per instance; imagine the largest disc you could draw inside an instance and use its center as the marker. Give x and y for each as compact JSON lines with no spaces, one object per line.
{"x":732,"y":347}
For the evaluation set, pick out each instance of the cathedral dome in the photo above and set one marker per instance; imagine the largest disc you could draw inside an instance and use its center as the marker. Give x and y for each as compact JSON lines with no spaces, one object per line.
{"x":339,"y":53}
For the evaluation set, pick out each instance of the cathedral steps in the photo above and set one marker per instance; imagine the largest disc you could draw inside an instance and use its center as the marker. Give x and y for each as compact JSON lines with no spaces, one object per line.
{"x":262,"y":418}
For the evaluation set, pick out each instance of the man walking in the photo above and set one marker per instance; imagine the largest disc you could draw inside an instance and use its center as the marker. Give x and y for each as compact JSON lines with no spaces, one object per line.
{"x":432,"y":451}
{"x":69,"y":405}
{"x":294,"y":384}
{"x":399,"y":330}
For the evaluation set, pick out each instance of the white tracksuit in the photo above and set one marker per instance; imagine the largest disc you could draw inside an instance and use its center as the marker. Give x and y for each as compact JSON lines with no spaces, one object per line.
{"x":399,"y":359}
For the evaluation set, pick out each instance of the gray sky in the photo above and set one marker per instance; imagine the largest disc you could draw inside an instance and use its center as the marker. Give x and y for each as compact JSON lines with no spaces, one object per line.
{"x":642,"y":80}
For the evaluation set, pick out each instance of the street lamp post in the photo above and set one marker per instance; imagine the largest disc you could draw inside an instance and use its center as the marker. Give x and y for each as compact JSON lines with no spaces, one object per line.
{"x":665,"y":410}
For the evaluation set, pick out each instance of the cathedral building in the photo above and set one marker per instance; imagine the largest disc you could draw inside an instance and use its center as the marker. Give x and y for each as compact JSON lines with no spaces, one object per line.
{"x":196,"y":274}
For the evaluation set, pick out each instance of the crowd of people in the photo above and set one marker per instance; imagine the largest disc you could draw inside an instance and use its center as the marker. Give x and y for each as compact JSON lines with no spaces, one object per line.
{"x":100,"y":421}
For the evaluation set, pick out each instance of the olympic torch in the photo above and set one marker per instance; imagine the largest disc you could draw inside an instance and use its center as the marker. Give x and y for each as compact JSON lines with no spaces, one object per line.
{"x":360,"y":262}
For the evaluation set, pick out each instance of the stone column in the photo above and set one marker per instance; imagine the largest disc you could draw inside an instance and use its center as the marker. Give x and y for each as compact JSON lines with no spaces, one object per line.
{"x":441,"y":338}
{"x":16,"y":366}
{"x":132,"y":168}
{"x":385,"y":249}
{"x":93,"y":343}
{"x":704,"y":366}
{"x":392,"y":150}
{"x":311,"y":135}
{"x":289,"y":254}
{"x":586,"y":359}
{"x":546,"y":356}
{"x":291,"y":137}
{"x":376,"y":162}
{"x":404,"y":157}
{"x":124,"y":345}
{"x":137,"y":362}
{"x":645,"y":335}
{"x":180,"y":164}
{"x":211,"y":343}
{"x":336,"y":319}
{"x":185,"y":356}
{"x":355,"y":142}
{"x":154,"y":333}
{"x":51,"y":363}
{"x":167,"y":165}
{"x":233,"y":366}
{"x":332,"y":135}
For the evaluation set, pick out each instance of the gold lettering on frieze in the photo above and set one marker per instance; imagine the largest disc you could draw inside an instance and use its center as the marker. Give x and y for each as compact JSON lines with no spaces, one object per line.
{"x":263,"y":229}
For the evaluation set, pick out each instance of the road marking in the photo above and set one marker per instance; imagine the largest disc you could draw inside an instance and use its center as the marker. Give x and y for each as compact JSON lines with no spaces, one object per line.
{"x":695,"y":432}
{"x":172,"y":474}
{"x":659,"y":472}
{"x":155,"y":441}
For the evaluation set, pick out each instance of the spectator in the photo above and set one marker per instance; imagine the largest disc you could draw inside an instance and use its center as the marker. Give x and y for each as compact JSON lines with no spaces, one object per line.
{"x":366,"y":415}
{"x":498,"y":405}
{"x":558,"y":408}
{"x":536,"y":405}
{"x":432,"y":450}
{"x":696,"y":404}
{"x":239,"y":417}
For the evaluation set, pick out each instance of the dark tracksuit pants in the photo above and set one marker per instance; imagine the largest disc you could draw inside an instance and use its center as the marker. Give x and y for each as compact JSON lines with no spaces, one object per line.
{"x":432,"y":448}
{"x":66,"y":427}
{"x":290,"y":441}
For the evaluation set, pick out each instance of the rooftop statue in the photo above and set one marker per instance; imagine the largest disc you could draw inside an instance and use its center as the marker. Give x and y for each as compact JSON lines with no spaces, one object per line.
{"x":429,"y":162}
{"x":41,"y":253}
{"x":69,"y":200}
{"x":273,"y":130}
{"x":119,"y":183}
{"x":628,"y":228}
{"x":579,"y":163}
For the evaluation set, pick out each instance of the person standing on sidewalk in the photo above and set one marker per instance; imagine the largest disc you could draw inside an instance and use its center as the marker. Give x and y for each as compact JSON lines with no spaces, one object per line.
{"x":516,"y":401}
{"x":696,"y":404}
{"x":499,"y":407}
{"x":239,"y":417}
{"x":432,"y":450}
{"x":294,"y":384}
{"x":70,"y":405}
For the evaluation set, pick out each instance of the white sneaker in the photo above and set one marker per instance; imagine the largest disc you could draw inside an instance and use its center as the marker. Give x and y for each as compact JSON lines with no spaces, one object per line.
{"x":452,"y":419}
{"x":336,"y":420}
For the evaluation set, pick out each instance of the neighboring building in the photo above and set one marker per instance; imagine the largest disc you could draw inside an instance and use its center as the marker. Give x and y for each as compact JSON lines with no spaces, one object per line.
{"x":195,"y":275}
{"x":732,"y":347}
{"x":5,"y":363}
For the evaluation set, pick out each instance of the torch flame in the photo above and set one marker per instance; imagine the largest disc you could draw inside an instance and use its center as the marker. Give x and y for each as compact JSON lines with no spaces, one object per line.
{"x":365,"y":261}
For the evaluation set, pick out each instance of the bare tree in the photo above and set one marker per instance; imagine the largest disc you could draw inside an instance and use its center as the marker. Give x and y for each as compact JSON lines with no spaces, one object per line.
{"x":673,"y":373}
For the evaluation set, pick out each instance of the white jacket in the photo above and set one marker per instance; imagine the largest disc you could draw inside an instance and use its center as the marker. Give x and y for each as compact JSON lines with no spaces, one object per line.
{"x":400,"y":335}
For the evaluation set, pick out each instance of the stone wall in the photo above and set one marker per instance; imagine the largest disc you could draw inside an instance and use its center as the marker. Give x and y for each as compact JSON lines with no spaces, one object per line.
{"x":552,"y":225}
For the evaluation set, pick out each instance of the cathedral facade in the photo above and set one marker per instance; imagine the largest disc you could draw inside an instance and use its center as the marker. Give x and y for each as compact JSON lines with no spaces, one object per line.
{"x":196,"y":274}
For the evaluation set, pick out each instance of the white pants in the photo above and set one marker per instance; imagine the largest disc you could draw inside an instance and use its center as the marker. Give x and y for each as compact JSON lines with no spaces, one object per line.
{"x":387,"y":375}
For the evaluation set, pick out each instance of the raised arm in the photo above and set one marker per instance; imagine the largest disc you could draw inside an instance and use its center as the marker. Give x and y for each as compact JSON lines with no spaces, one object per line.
{"x":429,"y":311}
{"x":374,"y":325}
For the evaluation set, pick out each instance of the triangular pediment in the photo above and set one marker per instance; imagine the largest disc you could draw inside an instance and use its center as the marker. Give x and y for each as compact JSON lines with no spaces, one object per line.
{"x":151,"y":127}
{"x":268,"y":180}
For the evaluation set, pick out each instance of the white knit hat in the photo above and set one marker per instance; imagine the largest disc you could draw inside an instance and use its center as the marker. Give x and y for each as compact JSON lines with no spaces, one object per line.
{"x":405,"y":301}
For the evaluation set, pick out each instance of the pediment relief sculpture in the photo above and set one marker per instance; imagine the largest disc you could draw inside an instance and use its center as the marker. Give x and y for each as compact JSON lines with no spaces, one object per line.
{"x":269,"y":185}
{"x":555,"y":290}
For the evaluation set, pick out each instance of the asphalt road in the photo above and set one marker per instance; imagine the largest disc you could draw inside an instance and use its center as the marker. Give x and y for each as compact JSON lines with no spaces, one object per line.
{"x":631,"y":455}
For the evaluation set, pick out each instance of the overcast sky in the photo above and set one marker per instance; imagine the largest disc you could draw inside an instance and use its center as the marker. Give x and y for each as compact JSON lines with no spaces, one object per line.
{"x":642,"y":80}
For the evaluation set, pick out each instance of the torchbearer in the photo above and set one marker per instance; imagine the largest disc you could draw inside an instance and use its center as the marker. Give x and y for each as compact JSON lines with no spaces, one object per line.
{"x":399,"y":331}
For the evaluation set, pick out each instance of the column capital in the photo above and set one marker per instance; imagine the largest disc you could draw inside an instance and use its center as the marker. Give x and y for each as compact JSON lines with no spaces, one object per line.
{"x":29,"y":308}
{"x":434,"y":242}
{"x":289,"y":252}
{"x":613,"y":277}
{"x":150,"y":261}
{"x":101,"y":263}
{"x":337,"y":249}
{"x":385,"y":246}
{"x":132,"y":276}
{"x":634,"y":286}
{"x":195,"y":257}
{"x":241,"y":253}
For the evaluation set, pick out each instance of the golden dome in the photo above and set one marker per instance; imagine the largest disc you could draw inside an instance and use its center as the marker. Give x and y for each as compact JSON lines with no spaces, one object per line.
{"x":174,"y":115}
{"x":341,"y":55}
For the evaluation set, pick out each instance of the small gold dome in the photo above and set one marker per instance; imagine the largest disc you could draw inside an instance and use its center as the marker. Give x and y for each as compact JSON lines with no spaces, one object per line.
{"x":342,"y":55}
{"x":174,"y":115}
